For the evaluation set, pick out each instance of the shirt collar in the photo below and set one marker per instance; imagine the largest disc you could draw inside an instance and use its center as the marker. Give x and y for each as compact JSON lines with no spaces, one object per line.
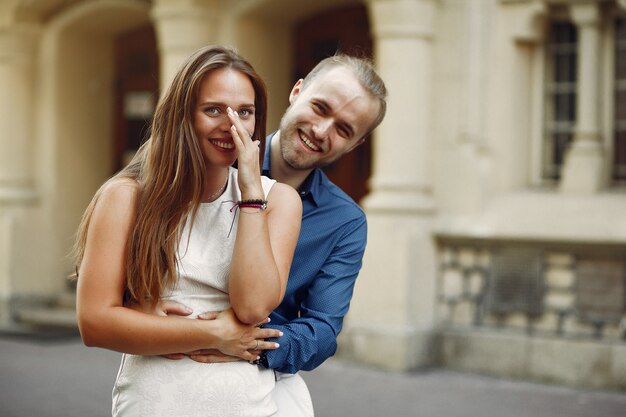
{"x":310,"y":188}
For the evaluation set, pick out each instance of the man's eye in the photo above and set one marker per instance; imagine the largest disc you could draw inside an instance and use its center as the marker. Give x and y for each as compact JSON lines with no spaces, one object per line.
{"x":319,"y":108}
{"x":343,"y":133}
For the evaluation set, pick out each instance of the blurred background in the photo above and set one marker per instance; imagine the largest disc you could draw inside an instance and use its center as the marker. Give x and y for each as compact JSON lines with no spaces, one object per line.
{"x":495,"y":189}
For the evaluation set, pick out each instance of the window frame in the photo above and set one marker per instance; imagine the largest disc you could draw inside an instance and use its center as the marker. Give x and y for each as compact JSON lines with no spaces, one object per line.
{"x":607,"y":99}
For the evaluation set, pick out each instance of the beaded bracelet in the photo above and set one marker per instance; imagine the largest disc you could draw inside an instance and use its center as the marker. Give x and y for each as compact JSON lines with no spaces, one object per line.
{"x":258,"y":203}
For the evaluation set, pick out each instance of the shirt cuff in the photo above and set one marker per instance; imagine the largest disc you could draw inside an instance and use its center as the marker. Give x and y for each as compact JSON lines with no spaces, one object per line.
{"x":276,"y":358}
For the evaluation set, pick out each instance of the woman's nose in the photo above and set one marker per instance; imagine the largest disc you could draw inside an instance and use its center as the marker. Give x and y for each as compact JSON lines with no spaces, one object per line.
{"x":224,"y":123}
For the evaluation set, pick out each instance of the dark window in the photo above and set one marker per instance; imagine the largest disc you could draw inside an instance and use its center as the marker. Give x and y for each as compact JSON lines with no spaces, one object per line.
{"x":560,"y":96}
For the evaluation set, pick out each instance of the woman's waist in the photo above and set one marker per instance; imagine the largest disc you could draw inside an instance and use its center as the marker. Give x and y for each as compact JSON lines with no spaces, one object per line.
{"x":158,"y":369}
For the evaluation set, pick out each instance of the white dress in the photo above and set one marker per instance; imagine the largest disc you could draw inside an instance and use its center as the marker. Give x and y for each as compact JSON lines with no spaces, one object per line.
{"x":154,"y":386}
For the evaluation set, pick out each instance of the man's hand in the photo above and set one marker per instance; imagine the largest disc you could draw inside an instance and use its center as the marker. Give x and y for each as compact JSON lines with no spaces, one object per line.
{"x":211,"y":356}
{"x":162,"y":308}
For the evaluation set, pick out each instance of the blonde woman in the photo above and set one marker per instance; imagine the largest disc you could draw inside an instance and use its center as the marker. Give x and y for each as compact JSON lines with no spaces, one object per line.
{"x":179,"y":223}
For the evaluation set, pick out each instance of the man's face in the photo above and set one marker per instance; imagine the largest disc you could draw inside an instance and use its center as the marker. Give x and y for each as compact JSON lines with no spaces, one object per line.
{"x":326,"y":120}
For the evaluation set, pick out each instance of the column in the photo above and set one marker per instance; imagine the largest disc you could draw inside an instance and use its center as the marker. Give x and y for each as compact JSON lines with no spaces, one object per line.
{"x":583,"y":170}
{"x":17,"y":112}
{"x":182,"y":26}
{"x":392,"y":315}
{"x":18,"y":46}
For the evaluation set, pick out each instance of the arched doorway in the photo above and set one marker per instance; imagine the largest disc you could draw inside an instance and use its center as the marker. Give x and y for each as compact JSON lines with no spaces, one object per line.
{"x":345,"y":30}
{"x":77,"y":121}
{"x":136,"y":90}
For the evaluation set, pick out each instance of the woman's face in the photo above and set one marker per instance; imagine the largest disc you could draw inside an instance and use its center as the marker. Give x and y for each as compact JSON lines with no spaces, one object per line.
{"x":220,"y":89}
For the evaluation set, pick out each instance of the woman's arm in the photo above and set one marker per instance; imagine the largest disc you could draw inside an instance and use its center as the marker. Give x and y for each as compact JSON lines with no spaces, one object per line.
{"x":263,"y":252}
{"x":266,"y":239}
{"x":104,"y":321}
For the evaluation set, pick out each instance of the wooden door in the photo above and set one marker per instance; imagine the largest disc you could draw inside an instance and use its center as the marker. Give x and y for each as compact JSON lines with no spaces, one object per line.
{"x":136,"y":91}
{"x":345,"y":30}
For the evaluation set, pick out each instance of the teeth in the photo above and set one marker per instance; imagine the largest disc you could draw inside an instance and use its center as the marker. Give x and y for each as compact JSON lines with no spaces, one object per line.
{"x":223,"y":145}
{"x":308,"y":143}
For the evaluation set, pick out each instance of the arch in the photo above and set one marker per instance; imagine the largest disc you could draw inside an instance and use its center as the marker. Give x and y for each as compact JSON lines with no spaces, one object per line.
{"x":74,"y":138}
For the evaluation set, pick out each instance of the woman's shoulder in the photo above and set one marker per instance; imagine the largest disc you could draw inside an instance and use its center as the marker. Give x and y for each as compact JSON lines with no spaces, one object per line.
{"x":284,"y":194}
{"x":119,"y":191}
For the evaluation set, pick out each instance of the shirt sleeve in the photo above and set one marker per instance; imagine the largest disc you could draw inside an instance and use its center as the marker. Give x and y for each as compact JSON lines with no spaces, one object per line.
{"x":311,"y":338}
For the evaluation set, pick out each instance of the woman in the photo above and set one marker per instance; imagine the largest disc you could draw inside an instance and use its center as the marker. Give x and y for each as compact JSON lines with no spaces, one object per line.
{"x":179,"y":223}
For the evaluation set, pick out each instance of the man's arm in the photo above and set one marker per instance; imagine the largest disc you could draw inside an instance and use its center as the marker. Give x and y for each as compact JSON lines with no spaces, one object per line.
{"x":312,"y":338}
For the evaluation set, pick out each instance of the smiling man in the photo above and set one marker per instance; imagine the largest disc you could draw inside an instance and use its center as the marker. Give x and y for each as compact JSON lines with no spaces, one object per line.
{"x":331,"y":112}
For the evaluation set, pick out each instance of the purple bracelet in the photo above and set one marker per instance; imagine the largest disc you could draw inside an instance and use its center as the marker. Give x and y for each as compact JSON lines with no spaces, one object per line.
{"x":258,"y":204}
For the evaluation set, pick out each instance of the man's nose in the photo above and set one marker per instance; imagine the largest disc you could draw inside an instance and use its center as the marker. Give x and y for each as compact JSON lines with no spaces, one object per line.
{"x":322,"y":128}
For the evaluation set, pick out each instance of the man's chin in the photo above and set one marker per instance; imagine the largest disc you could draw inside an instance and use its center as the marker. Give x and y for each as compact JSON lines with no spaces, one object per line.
{"x":299,"y":164}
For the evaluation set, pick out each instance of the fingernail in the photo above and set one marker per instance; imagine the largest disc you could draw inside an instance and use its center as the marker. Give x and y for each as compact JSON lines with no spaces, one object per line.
{"x":276,"y":345}
{"x":280,"y":333}
{"x":229,"y":110}
{"x":268,"y":320}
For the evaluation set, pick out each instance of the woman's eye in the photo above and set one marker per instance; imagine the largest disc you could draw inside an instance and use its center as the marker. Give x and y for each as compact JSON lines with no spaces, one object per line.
{"x":212,"y":110}
{"x":245,"y":113}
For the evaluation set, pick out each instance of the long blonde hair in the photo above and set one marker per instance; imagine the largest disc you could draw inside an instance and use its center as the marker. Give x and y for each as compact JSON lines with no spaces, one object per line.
{"x":170,"y":171}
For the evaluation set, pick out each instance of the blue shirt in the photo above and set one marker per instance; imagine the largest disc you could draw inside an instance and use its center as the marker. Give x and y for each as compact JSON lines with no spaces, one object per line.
{"x":326,"y":263}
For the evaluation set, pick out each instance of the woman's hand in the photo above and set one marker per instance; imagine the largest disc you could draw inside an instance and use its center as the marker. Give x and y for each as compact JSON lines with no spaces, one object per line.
{"x":248,"y":159}
{"x":240,"y":340}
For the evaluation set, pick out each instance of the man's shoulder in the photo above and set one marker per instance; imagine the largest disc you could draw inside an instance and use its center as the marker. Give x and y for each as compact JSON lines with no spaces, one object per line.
{"x":339,"y":200}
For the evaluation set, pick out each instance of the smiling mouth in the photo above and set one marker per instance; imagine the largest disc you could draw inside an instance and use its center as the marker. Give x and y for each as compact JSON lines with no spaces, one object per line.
{"x":221,"y":144}
{"x":309,"y":144}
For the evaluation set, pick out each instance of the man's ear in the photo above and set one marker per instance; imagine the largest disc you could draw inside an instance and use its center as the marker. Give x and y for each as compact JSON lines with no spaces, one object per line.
{"x":359,"y":142}
{"x":297,"y":87}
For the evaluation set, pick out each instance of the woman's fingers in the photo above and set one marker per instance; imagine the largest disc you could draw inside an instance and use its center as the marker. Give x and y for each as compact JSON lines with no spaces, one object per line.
{"x":264,"y":345}
{"x":265,"y":333}
{"x":248,"y":158}
{"x":238,"y":129}
{"x":264,"y":321}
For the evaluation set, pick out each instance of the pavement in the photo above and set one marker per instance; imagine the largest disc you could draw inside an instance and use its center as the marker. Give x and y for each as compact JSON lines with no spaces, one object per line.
{"x":59,"y":377}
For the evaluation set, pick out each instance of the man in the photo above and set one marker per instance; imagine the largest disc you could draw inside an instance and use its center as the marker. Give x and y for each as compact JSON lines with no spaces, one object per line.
{"x":331,"y":112}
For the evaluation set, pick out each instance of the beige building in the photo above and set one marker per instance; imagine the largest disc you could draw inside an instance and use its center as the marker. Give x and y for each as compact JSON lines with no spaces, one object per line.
{"x":496,"y":193}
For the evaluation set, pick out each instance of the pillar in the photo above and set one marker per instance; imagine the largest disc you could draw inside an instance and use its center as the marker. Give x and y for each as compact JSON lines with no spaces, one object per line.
{"x":182,"y":26}
{"x":18,"y":46}
{"x":583,"y":170}
{"x":391,"y":320}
